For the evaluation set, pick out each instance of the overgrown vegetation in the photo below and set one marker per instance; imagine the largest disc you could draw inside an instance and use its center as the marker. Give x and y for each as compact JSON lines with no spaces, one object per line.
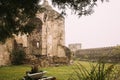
{"x":18,"y":57}
{"x":98,"y":71}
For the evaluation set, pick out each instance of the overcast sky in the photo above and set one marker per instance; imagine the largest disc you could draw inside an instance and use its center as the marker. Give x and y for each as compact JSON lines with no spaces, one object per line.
{"x":101,"y":29}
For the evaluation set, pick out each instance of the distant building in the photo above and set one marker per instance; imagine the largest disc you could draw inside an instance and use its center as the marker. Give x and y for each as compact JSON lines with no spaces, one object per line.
{"x":74,"y":47}
{"x":107,"y":54}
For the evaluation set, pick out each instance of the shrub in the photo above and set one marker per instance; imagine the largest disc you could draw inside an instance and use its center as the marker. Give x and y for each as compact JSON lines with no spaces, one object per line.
{"x":17,"y":57}
{"x":99,"y":71}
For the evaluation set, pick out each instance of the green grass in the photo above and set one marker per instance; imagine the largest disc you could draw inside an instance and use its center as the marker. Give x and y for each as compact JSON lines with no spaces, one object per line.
{"x":61,"y":73}
{"x":17,"y":72}
{"x":13,"y":72}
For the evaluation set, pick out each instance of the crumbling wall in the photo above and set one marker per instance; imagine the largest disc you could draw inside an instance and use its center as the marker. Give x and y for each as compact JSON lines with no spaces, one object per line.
{"x":34,"y":40}
{"x":45,"y":40}
{"x":52,"y":36}
{"x":53,"y":31}
{"x":5,"y":50}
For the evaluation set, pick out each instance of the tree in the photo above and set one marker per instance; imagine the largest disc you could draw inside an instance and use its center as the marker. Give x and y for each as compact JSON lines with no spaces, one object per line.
{"x":79,"y":7}
{"x":16,"y":14}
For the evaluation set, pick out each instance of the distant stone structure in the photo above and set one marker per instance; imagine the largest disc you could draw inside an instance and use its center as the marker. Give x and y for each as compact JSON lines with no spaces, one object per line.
{"x":46,"y":43}
{"x":74,"y":47}
{"x":94,"y":54}
{"x":95,"y":50}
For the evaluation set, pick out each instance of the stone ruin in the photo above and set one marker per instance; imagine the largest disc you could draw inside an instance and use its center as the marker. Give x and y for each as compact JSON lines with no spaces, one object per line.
{"x":45,"y":45}
{"x":106,"y":54}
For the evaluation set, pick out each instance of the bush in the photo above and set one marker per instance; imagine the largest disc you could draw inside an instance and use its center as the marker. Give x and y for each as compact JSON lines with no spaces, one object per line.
{"x":18,"y":57}
{"x":99,"y":71}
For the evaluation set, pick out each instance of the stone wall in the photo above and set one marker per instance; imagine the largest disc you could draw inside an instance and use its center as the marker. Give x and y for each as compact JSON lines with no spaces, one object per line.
{"x":47,"y":39}
{"x":107,"y":54}
{"x":100,"y":51}
{"x":75,"y":46}
{"x":53,"y":32}
{"x":34,"y":40}
{"x":5,"y":50}
{"x":50,"y":35}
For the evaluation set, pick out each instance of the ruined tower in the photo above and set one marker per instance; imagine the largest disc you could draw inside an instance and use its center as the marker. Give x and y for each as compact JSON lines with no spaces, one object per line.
{"x":47,"y":39}
{"x":49,"y":35}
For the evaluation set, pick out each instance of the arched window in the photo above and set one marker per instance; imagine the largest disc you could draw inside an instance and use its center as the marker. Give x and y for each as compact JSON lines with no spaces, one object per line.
{"x":38,"y":44}
{"x":35,"y":43}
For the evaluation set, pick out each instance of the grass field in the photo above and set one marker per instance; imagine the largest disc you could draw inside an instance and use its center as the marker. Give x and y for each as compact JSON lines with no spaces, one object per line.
{"x":17,"y":72}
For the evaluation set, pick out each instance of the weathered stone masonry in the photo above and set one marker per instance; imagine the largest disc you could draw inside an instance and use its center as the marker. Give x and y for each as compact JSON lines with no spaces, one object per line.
{"x":5,"y":50}
{"x":46,"y":43}
{"x":49,"y":35}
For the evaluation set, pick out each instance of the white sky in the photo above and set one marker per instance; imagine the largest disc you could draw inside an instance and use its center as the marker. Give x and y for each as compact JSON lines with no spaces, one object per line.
{"x":101,"y":29}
